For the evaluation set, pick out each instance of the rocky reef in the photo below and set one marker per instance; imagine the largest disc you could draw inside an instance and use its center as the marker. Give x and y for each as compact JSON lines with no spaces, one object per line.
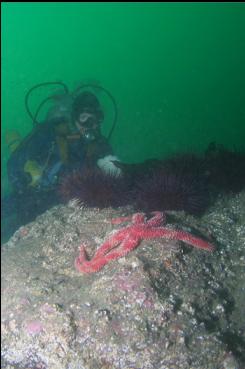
{"x":165,"y":305}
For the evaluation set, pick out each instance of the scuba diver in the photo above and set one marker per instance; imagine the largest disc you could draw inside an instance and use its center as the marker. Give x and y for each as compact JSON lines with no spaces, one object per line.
{"x":69,"y":139}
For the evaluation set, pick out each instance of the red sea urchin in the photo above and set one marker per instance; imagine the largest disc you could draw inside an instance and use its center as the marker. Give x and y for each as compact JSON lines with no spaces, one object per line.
{"x":165,"y":190}
{"x":94,"y":188}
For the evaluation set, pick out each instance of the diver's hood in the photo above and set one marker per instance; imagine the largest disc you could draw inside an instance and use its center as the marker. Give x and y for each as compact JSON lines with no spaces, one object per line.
{"x":61,"y":108}
{"x":87,"y":102}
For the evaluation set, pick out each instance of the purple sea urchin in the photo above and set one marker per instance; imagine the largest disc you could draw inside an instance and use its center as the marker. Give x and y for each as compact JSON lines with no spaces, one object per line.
{"x":94,"y":188}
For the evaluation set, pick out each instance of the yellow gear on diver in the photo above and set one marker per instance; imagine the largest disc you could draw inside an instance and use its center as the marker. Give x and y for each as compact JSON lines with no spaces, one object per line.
{"x":63,"y":148}
{"x":13,"y":139}
{"x":34,"y":170}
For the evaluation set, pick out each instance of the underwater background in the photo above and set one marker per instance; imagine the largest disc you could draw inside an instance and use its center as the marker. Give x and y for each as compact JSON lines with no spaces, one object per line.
{"x":176,"y":70}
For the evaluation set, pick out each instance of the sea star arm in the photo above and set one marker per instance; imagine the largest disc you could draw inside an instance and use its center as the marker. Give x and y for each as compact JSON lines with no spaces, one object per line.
{"x":127,"y":245}
{"x":94,"y":265}
{"x":173,"y":234}
{"x":90,"y":266}
{"x":81,"y":260}
{"x":83,"y":265}
{"x":193,"y":241}
{"x":111,"y":243}
{"x":158,"y":219}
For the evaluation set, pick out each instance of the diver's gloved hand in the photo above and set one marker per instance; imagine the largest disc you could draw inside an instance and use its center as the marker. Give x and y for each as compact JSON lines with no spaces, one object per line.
{"x":106,"y":164}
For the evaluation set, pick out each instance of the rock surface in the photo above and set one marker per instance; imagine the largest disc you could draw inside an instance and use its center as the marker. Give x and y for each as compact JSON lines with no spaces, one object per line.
{"x":165,"y":305}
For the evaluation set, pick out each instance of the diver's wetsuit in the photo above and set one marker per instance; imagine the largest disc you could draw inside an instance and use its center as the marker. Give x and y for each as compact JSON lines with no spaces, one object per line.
{"x":41,"y":147}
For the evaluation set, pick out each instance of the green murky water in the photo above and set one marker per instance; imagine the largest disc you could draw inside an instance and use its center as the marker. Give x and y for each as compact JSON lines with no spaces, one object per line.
{"x":175,"y":70}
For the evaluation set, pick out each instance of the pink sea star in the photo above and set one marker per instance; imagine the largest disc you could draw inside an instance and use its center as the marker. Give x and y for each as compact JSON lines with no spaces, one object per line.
{"x":128,"y":238}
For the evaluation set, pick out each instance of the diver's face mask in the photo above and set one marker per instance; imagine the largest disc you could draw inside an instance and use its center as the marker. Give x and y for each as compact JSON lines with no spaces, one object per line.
{"x":88,"y":126}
